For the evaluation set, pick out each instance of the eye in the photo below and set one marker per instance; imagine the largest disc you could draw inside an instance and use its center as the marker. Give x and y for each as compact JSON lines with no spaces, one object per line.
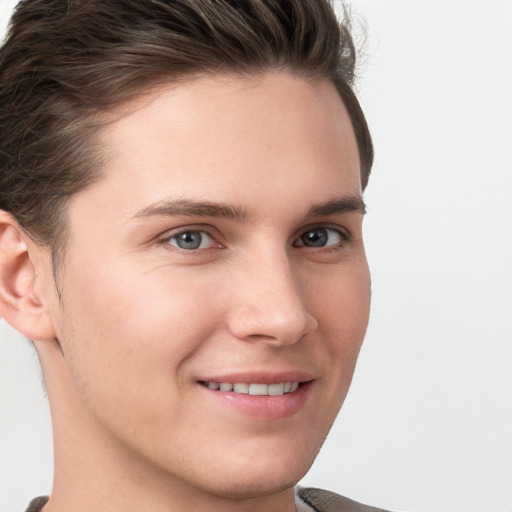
{"x":320,"y":237}
{"x":191,"y":240}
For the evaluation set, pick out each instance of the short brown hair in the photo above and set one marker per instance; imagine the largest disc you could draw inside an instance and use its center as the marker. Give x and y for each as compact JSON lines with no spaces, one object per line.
{"x":66,"y":61}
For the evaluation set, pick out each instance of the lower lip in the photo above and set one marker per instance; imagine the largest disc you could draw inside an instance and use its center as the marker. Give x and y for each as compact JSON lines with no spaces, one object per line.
{"x":268,"y":408}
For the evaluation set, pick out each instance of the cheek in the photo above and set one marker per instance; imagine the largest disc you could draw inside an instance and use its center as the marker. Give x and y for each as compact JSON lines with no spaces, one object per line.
{"x":123,"y":332}
{"x":343,"y":313}
{"x":343,"y":307}
{"x":128,"y":348}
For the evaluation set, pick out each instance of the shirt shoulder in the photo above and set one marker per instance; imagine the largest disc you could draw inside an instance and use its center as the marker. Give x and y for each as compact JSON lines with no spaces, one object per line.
{"x":321,"y":500}
{"x":37,"y":504}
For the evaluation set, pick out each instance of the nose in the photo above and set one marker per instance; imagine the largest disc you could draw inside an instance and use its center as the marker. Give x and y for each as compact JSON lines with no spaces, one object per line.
{"x":270,"y":303}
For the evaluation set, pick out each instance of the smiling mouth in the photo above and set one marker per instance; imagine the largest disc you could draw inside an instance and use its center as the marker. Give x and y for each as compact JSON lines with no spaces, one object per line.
{"x":255,"y":389}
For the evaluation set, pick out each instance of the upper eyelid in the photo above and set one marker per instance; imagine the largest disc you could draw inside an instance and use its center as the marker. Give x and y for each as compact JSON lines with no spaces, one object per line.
{"x":169,"y":233}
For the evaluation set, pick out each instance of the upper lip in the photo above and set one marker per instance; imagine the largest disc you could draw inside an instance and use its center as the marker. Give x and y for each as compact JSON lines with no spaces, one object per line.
{"x":260,"y":377}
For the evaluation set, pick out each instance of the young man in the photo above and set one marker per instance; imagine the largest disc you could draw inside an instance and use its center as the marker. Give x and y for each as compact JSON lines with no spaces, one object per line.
{"x":181,"y":237}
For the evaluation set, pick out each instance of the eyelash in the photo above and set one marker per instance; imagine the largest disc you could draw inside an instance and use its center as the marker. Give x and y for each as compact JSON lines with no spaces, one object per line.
{"x":298,"y":242}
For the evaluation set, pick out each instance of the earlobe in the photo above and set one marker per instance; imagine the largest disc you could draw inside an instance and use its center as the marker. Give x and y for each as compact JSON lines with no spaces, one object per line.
{"x":20,"y":305}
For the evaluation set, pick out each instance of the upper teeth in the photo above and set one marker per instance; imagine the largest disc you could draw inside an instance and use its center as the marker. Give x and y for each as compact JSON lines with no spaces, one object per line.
{"x":255,"y":388}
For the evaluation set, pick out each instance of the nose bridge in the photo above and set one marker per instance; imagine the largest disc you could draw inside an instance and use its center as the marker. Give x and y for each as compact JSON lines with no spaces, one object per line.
{"x":271,"y":305}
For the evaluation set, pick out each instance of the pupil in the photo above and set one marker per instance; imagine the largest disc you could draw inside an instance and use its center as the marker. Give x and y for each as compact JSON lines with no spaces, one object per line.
{"x":189,"y":240}
{"x":316,"y":238}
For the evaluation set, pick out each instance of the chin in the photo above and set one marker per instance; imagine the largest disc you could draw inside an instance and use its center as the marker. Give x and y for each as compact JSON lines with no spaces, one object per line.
{"x":254,"y":485}
{"x":252,"y":474}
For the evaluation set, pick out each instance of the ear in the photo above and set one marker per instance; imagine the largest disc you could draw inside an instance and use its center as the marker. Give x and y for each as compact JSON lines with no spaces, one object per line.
{"x":20,"y":268}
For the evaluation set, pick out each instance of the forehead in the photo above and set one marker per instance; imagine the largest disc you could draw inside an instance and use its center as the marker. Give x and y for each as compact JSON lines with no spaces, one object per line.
{"x":230,"y":139}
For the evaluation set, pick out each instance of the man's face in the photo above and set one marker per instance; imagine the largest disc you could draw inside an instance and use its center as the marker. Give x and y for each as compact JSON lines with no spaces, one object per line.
{"x":223,"y":247}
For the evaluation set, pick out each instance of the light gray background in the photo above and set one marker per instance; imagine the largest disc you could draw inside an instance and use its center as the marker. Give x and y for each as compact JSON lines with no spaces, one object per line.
{"x":427,"y":425}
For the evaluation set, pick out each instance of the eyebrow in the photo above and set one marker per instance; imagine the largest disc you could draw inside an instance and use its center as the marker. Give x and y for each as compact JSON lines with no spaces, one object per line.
{"x":344,"y":204}
{"x":193,"y":208}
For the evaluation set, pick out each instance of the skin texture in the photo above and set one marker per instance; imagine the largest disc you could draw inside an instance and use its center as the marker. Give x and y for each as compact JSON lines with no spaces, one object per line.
{"x":142,"y":320}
